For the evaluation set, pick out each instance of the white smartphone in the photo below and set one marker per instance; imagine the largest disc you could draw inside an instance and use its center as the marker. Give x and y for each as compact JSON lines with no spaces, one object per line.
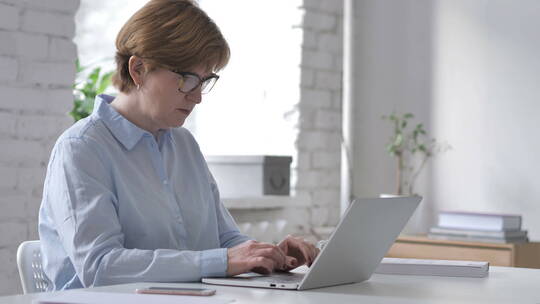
{"x":177,"y":291}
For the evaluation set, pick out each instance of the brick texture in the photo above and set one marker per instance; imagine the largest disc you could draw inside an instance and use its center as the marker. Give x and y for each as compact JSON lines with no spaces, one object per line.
{"x":51,"y":23}
{"x":318,"y":143}
{"x":8,"y":69}
{"x":9,"y":17}
{"x":65,"y":6}
{"x":7,"y":45}
{"x":37,"y":69}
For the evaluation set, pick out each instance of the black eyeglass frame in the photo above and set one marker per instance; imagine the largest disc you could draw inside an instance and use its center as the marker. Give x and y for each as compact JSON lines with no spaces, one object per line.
{"x":201,"y":81}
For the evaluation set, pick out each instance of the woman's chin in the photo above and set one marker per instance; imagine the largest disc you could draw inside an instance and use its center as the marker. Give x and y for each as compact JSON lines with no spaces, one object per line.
{"x":179,"y":123}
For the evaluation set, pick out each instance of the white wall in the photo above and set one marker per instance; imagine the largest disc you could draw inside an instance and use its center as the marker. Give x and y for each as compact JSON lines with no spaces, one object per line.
{"x":469,"y":70}
{"x":246,"y":113}
{"x":392,"y":51}
{"x":37,"y":69}
{"x":316,"y":167}
{"x":487,"y":105}
{"x":319,"y":113}
{"x":98,"y":23}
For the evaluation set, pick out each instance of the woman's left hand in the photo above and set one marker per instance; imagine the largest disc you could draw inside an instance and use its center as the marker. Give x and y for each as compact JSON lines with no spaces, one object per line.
{"x":298,"y":251}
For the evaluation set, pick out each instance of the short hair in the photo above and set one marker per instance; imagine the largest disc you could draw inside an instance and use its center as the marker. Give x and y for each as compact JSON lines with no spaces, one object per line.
{"x":174,"y":34}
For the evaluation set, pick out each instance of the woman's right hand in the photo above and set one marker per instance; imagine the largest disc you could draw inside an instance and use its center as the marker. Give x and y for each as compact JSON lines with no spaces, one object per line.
{"x":258,"y":257}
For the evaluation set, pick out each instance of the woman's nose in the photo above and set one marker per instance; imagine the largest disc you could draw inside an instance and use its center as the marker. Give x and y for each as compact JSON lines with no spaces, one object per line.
{"x":195,"y":96}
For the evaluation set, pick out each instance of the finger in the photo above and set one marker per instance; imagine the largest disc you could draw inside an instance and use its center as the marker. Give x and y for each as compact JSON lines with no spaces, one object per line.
{"x":258,"y":245}
{"x":291,"y":262}
{"x":284,"y":244}
{"x":317,"y":251}
{"x":268,"y":264}
{"x":262,"y":265}
{"x":284,"y":255}
{"x":265,"y":264}
{"x":313,"y":251}
{"x":287,"y":245}
{"x":276,"y":254}
{"x":297,"y":247}
{"x":302,"y":247}
{"x":269,"y":251}
{"x":297,"y":251}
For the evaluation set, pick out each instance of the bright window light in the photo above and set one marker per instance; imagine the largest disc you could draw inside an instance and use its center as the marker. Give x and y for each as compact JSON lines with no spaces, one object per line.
{"x":250,"y":109}
{"x":247,"y":111}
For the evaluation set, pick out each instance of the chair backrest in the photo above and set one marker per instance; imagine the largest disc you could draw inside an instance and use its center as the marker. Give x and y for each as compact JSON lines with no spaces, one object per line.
{"x":33,"y":279}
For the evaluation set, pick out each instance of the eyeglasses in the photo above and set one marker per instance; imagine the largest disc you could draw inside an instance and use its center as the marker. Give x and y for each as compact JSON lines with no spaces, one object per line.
{"x":189,"y":82}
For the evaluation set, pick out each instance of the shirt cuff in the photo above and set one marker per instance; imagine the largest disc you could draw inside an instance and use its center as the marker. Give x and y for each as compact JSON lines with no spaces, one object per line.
{"x":214,"y":263}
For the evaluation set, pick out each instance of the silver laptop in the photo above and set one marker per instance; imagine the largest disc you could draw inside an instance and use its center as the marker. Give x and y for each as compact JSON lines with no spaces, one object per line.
{"x":353,"y":252}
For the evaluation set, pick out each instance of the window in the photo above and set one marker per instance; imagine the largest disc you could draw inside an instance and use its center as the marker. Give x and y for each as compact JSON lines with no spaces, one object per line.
{"x":247,"y":111}
{"x":250,"y":111}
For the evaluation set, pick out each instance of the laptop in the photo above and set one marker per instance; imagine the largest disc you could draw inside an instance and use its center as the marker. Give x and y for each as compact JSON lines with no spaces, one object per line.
{"x":353,"y":251}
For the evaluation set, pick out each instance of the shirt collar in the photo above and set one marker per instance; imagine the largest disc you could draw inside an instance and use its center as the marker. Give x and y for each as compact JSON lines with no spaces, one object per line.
{"x":123,"y":130}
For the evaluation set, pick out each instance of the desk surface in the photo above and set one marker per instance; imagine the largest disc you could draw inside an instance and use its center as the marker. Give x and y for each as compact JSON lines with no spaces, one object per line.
{"x":503,"y":285}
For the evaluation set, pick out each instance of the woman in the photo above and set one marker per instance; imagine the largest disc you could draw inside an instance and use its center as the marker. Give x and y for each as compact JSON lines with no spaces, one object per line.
{"x":128,"y":196}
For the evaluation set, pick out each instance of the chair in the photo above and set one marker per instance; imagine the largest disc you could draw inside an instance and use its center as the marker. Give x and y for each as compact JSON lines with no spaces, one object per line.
{"x":33,"y":279}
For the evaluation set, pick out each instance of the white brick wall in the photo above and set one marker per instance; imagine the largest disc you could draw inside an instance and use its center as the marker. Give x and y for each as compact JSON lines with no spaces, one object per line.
{"x":37,"y":69}
{"x":9,"y":17}
{"x":8,"y":69}
{"x":36,"y":72}
{"x":45,"y":22}
{"x":31,"y":46}
{"x":317,"y":171}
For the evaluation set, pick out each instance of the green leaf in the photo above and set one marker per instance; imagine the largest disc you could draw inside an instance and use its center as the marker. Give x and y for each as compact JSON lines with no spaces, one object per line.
{"x":104,"y":83}
{"x":85,"y":91}
{"x":403,"y":124}
{"x":398,"y":140}
{"x":78,"y":66}
{"x":93,"y":77}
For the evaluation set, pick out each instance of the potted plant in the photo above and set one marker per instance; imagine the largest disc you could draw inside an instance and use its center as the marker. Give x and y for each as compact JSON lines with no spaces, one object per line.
{"x":412,"y":149}
{"x":86,"y":89}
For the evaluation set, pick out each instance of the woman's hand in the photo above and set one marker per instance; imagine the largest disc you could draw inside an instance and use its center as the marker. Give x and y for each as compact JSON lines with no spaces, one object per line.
{"x":258,"y":257}
{"x":298,"y":249}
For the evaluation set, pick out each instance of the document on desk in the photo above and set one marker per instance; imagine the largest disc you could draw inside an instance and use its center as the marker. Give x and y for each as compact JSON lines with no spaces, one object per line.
{"x":433,"y":267}
{"x":90,"y":297}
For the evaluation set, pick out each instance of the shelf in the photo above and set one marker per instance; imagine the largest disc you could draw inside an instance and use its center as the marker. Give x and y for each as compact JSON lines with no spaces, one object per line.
{"x":421,"y":247}
{"x":264,"y":202}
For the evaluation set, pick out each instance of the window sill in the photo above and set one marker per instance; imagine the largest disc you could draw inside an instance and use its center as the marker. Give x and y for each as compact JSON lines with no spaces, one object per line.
{"x":264,"y":202}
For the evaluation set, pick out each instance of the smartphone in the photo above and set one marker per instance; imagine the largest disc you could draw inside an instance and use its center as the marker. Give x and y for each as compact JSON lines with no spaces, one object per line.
{"x":177,"y":291}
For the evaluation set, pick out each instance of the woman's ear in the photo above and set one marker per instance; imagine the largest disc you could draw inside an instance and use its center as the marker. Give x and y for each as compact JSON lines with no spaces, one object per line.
{"x":136,"y":70}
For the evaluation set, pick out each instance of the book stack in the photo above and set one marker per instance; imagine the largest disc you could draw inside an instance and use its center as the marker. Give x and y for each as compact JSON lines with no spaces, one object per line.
{"x":470,"y":269}
{"x":479,"y":227}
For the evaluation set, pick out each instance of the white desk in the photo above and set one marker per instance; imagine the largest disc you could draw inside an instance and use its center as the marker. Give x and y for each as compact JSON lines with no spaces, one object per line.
{"x":504,"y":285}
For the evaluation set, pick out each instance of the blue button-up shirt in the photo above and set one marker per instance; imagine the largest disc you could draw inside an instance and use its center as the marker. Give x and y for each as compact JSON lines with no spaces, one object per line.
{"x":119,"y":206}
